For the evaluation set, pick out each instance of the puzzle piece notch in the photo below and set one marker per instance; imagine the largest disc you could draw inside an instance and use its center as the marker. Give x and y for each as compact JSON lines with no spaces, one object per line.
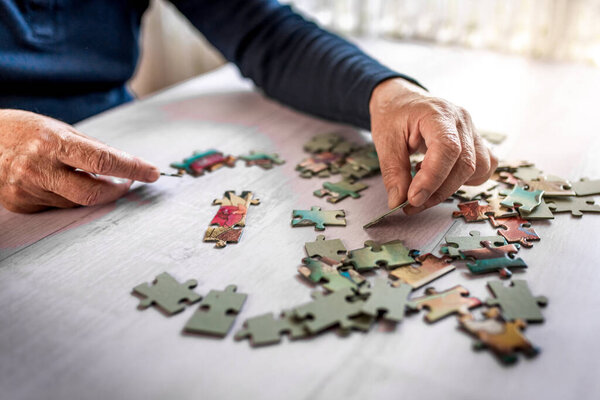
{"x":217,"y":312}
{"x":575,"y":205}
{"x":516,"y":301}
{"x":391,"y":302}
{"x":515,"y":230}
{"x":586,"y":187}
{"x":338,"y":191}
{"x":390,"y":255}
{"x":332,"y":248}
{"x":503,"y":338}
{"x":319,"y":271}
{"x":265,"y":329}
{"x":526,"y":200}
{"x":472,"y":211}
{"x":263,"y":160}
{"x":442,"y":304}
{"x":334,"y":309}
{"x":473,"y":241}
{"x":167,"y":294}
{"x":430,"y":268}
{"x":319,"y":218}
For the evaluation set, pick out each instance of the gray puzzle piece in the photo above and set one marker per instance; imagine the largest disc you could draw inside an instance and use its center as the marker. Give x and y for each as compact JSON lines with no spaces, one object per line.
{"x":516,"y":301}
{"x":167,"y":294}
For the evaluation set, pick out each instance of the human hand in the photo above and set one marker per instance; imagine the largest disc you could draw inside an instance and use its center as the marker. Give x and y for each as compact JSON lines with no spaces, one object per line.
{"x":38,"y":161}
{"x":406,"y":119}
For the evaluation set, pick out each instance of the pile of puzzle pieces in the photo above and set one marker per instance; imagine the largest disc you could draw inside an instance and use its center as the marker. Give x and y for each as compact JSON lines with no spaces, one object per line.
{"x":211,"y":160}
{"x":332,"y":154}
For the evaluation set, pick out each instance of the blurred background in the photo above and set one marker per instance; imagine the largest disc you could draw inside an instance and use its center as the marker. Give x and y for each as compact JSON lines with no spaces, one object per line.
{"x":552,"y":30}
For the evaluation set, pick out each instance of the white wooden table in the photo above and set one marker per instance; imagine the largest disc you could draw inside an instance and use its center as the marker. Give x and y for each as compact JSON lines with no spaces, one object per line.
{"x":70,"y":329}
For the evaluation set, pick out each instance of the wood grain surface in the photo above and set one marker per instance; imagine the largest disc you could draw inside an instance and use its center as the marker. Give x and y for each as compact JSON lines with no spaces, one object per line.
{"x":70,"y":329}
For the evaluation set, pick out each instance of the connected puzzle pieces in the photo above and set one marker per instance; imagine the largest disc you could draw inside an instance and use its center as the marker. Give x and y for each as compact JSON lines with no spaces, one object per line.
{"x":389,"y":255}
{"x":230,"y":218}
{"x":167,"y":294}
{"x":472,"y":211}
{"x":430,"y":268}
{"x":216,"y":313}
{"x":575,"y":205}
{"x":332,"y":279}
{"x":333,"y":249}
{"x":338,"y":191}
{"x":494,"y":259}
{"x":526,"y":200}
{"x":265,"y":329}
{"x":442,"y":304}
{"x":201,"y":162}
{"x":389,"y":301}
{"x":503,"y":338}
{"x":319,"y":218}
{"x":456,"y":244}
{"x":263,"y":160}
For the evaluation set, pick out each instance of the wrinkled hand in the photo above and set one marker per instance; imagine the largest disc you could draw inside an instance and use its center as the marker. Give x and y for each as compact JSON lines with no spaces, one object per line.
{"x":406,"y":119}
{"x":38,"y":161}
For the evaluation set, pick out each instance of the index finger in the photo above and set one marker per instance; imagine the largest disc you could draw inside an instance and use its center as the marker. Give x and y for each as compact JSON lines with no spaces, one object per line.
{"x":443,"y":149}
{"x":98,"y":158}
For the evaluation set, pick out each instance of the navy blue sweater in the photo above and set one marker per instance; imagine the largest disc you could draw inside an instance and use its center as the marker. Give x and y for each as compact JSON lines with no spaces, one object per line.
{"x":71,"y":59}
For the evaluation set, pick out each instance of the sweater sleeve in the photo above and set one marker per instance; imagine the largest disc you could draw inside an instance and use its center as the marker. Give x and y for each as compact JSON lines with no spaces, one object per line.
{"x":290,"y":58}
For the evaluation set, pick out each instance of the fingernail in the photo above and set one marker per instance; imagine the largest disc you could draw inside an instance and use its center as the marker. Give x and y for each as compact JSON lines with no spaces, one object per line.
{"x":393,"y":197}
{"x":152,"y":174}
{"x":419,"y":198}
{"x":120,"y":181}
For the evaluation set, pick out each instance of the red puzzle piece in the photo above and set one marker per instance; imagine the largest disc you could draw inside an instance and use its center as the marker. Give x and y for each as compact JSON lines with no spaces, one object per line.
{"x":516,"y":230}
{"x":472,"y":211}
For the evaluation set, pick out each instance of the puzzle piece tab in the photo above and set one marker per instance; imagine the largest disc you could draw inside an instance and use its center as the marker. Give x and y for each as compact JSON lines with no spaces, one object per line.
{"x":456,"y":244}
{"x":340,"y":190}
{"x":442,"y":304}
{"x":516,"y":301}
{"x":575,"y":205}
{"x":503,"y":338}
{"x":389,"y":255}
{"x":430,"y":268}
{"x":526,"y":200}
{"x":315,"y":216}
{"x":217,"y":312}
{"x":167,"y":294}
{"x":472,"y":211}
{"x":515,"y":230}
{"x":264,"y":329}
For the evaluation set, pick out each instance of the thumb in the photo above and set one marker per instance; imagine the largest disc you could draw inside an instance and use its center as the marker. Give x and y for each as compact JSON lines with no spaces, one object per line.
{"x":395,"y":169}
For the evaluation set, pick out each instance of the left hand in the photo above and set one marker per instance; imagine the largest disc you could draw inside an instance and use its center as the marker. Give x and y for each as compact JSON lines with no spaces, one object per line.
{"x":406,"y":119}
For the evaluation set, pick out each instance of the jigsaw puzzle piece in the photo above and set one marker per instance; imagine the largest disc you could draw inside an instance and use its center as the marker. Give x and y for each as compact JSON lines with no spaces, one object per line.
{"x":334,"y":309}
{"x":217,"y":312}
{"x":322,"y":142}
{"x":516,"y":301}
{"x":263,"y":160}
{"x":230,"y":216}
{"x":389,"y":255}
{"x":319,"y":271}
{"x":472,"y":211}
{"x":246,"y":199}
{"x":527,"y":173}
{"x":430,"y":268}
{"x":264,"y":329}
{"x":512,"y":166}
{"x":586,"y":187}
{"x":340,"y":190}
{"x":498,"y":264}
{"x":167,"y":294}
{"x":515,"y":230}
{"x":222,"y":235}
{"x":498,"y":210}
{"x":333,"y":248}
{"x":456,"y":244}
{"x":442,"y":304}
{"x":526,"y":200}
{"x":389,"y":301}
{"x":551,"y":186}
{"x":200,"y":162}
{"x":504,"y":339}
{"x":315,"y":216}
{"x":468,"y":193}
{"x":541,"y":212}
{"x":575,"y":205}
{"x":321,"y":164}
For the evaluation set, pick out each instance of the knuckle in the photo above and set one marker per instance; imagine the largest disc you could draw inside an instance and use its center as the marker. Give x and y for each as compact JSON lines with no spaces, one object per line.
{"x":468,"y":165}
{"x":451,"y":145}
{"x":102,"y":161}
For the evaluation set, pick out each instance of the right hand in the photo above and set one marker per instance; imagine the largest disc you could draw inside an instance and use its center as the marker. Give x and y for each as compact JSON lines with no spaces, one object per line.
{"x":41,"y":161}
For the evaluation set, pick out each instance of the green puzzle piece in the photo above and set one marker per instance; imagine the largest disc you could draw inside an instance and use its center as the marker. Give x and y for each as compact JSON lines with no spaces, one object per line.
{"x":340,"y":190}
{"x":575,"y":205}
{"x":389,"y":255}
{"x":315,"y":216}
{"x":541,"y":212}
{"x":527,"y":200}
{"x":318,"y":271}
{"x":391,"y":301}
{"x":500,"y":264}
{"x":471,"y":242}
{"x":263,"y":160}
{"x":586,"y":187}
{"x":217,"y":312}
{"x":264,"y":329}
{"x":333,"y":249}
{"x":167,"y":294}
{"x":323,"y":142}
{"x":516,"y":301}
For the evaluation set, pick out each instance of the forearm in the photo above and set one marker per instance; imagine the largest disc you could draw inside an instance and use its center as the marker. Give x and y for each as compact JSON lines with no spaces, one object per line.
{"x":291,"y":59}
